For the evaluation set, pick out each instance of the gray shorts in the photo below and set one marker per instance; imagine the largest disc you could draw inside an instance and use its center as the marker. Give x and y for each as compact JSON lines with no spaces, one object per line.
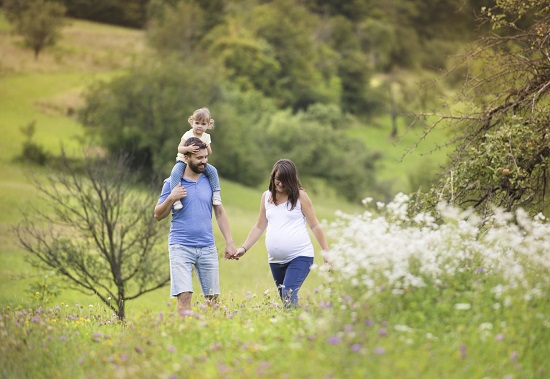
{"x":205,"y":261}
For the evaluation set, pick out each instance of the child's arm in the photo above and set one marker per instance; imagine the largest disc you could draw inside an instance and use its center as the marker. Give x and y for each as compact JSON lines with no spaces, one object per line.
{"x":209,"y":149}
{"x":186,"y":149}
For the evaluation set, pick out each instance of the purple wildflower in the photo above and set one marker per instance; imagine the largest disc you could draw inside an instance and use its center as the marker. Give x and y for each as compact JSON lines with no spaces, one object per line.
{"x":333,"y":340}
{"x":355,"y":347}
{"x":463,"y":351}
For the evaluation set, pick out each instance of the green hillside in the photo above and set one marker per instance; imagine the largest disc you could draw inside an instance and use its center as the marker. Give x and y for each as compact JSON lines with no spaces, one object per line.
{"x":48,"y":90}
{"x":45,"y":92}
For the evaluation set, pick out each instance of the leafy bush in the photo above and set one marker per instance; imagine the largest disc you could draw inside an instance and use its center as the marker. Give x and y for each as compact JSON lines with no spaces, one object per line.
{"x":32,"y":152}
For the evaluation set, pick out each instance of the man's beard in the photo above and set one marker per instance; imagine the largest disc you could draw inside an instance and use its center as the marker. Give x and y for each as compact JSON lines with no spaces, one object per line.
{"x":197,"y":169}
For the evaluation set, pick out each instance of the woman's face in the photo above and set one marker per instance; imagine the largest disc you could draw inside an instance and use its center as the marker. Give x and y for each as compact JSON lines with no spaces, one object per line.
{"x":278,"y":184}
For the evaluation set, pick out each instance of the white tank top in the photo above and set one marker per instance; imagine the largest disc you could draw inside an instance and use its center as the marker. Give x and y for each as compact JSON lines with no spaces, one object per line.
{"x":286,"y":236}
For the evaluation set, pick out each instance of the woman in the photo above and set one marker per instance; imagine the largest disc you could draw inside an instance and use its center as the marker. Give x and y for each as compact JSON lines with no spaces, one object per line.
{"x":284,"y":210}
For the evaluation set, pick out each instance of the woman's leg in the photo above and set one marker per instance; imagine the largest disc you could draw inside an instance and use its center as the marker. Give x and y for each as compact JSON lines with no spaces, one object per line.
{"x":289,"y":278}
{"x":278,"y":270}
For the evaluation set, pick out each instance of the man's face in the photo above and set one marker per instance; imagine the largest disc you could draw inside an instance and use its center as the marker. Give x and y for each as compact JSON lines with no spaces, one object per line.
{"x":197,"y":162}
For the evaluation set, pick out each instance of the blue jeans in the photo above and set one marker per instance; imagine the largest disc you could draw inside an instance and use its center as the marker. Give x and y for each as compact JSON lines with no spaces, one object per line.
{"x":289,"y":278}
{"x":204,"y":259}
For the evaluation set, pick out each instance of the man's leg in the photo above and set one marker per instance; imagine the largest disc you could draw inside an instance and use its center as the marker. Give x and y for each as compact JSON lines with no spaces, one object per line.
{"x":182,"y":259}
{"x":208,"y":268}
{"x":211,"y":299}
{"x":184,"y":302}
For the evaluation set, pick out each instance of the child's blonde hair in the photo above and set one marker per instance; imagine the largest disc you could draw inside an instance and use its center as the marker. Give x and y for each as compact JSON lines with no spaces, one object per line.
{"x":202,"y":114}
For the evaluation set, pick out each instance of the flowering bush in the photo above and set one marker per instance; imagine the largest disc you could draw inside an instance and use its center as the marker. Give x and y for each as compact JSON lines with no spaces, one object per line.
{"x":390,"y":249}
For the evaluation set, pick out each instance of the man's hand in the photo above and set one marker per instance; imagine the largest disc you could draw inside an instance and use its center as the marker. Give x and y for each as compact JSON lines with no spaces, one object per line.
{"x":230,"y":250}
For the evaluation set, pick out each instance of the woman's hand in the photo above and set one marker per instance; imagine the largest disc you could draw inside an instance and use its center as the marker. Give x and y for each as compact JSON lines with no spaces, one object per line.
{"x":325,"y":254}
{"x":240,"y":252}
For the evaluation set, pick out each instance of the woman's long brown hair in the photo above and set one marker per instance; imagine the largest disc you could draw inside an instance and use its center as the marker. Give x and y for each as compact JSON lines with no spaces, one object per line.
{"x":288,"y":176}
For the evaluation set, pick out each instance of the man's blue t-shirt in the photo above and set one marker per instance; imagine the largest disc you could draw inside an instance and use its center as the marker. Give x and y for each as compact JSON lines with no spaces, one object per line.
{"x":191,"y":225}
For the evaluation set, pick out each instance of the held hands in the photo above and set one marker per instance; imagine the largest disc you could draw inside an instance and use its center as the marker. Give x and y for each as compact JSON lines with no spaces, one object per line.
{"x":240,"y":252}
{"x":237,"y":254}
{"x":230,"y":250}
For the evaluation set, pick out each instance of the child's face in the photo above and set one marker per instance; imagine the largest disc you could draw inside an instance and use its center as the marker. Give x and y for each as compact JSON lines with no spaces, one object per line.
{"x":199,"y":126}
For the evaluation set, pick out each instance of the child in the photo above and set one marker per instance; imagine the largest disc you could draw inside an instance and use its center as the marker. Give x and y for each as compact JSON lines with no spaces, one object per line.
{"x":200,"y":121}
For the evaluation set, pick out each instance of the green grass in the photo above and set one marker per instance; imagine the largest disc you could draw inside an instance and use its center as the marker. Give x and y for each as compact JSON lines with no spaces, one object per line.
{"x":403,"y":165}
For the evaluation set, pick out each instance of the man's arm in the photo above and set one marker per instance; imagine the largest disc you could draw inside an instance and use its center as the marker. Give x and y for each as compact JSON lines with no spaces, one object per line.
{"x":223,"y":224}
{"x":163,"y":209}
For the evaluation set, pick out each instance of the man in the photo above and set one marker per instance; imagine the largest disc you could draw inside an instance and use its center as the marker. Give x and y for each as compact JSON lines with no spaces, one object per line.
{"x":191,"y":239}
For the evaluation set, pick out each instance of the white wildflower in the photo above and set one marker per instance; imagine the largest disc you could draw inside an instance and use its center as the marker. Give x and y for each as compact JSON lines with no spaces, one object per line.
{"x":462,"y":306}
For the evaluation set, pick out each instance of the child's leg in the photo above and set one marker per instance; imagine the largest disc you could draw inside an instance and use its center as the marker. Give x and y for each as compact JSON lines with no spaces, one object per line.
{"x":175,"y":179}
{"x":214,"y":180}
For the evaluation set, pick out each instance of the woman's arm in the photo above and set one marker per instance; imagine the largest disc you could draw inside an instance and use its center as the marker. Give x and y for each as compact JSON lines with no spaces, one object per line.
{"x":312,"y":221}
{"x":256,"y":231}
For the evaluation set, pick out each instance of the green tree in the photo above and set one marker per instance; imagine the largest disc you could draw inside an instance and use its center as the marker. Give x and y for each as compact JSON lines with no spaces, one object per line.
{"x":100,"y":235}
{"x":38,"y":21}
{"x":290,"y":28}
{"x":321,"y":151}
{"x":176,"y":27}
{"x":145,"y":112}
{"x":502,"y":140}
{"x":250,"y":62}
{"x":130,"y":13}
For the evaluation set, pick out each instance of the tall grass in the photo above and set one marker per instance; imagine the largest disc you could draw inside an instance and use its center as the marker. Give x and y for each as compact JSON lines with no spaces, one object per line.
{"x":379,"y":313}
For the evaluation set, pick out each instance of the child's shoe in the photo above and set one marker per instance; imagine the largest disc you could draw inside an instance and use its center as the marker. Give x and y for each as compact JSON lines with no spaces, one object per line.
{"x":177,"y":205}
{"x":216,"y":198}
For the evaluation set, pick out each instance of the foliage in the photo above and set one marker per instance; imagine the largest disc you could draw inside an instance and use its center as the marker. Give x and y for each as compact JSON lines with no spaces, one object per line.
{"x":177,"y":29}
{"x":503,"y":125}
{"x":130,"y":13}
{"x":32,"y":152}
{"x":43,"y":289}
{"x":38,"y":21}
{"x":99,"y":235}
{"x":145,"y":113}
{"x":299,"y":54}
{"x":319,"y":150}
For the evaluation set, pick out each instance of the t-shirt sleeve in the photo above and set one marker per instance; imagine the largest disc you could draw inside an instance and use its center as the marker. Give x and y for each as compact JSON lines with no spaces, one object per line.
{"x":188,"y":134}
{"x":165,"y":191}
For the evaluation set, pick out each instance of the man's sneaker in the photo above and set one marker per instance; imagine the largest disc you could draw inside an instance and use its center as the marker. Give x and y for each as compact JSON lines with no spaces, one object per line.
{"x":217,"y":198}
{"x":177,"y":205}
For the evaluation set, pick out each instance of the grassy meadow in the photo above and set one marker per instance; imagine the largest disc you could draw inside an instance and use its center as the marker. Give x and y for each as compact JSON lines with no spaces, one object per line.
{"x":354,"y":323}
